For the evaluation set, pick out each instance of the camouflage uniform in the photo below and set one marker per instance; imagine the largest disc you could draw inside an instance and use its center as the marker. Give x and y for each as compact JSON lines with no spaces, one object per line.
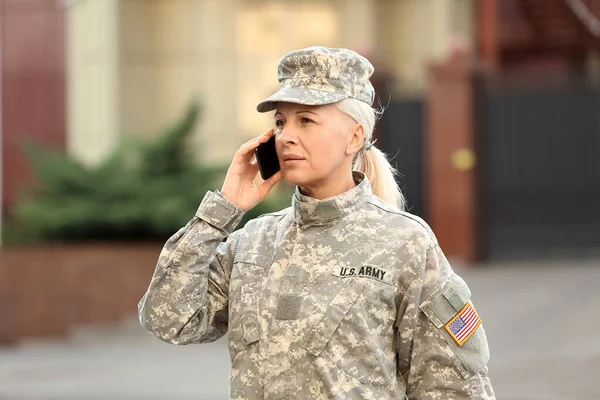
{"x":342,"y":298}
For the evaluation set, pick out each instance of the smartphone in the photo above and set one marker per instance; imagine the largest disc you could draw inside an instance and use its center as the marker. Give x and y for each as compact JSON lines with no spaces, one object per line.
{"x":266,"y":157}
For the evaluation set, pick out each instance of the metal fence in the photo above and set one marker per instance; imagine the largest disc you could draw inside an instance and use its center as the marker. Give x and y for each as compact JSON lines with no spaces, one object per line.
{"x":539,"y":160}
{"x":540,"y":149}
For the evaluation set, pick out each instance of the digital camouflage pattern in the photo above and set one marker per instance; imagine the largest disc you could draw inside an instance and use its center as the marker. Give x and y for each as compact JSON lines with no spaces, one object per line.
{"x":343,"y":298}
{"x":320,"y":75}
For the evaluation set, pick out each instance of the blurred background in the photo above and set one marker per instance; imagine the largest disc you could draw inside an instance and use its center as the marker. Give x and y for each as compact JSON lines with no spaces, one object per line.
{"x":118,"y":115}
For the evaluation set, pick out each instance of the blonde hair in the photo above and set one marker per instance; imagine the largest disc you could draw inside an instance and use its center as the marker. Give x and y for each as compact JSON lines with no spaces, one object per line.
{"x":373,"y":162}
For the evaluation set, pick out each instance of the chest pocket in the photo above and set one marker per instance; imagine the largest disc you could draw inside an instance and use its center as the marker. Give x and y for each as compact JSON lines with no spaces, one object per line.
{"x":351,"y":337}
{"x":441,"y":307}
{"x":322,"y":330}
{"x":245,"y":288}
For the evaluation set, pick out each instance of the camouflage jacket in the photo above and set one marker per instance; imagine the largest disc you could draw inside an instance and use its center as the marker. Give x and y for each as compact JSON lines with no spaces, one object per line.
{"x":342,"y":298}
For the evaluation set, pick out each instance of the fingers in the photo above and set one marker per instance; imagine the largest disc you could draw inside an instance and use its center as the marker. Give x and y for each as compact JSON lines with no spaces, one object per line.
{"x":267,"y":134}
{"x":267,"y":185}
{"x":246,"y":151}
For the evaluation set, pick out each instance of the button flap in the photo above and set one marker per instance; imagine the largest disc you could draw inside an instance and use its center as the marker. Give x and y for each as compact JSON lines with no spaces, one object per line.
{"x":322,"y":330}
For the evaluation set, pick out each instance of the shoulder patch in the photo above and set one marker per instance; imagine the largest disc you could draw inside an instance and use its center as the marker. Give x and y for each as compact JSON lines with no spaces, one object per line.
{"x":464,"y":324}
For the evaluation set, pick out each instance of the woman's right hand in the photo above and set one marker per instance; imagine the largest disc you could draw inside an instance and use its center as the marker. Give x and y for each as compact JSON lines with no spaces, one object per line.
{"x":239,"y":186}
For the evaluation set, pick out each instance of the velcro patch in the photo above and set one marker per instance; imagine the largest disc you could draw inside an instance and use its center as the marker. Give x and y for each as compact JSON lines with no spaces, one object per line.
{"x":368,"y":271}
{"x":288,"y":307}
{"x":464,"y":324}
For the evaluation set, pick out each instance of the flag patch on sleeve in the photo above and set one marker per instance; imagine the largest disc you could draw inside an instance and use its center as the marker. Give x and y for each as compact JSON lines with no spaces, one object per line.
{"x":464,"y":324}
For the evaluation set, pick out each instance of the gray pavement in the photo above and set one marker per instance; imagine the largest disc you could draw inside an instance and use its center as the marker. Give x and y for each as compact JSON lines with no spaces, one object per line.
{"x":542,"y":321}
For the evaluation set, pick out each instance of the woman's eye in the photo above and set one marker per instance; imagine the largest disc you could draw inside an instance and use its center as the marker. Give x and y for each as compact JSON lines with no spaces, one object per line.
{"x":279,"y":123}
{"x":305,"y":120}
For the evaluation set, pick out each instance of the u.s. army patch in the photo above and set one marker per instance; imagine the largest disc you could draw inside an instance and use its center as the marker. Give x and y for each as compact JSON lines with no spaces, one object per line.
{"x":367,"y":271}
{"x":464,"y":324}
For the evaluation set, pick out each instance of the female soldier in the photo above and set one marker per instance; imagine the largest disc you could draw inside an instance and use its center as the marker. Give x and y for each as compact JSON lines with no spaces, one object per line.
{"x":342,"y":295}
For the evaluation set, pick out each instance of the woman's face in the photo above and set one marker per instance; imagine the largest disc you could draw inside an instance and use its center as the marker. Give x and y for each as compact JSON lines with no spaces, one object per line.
{"x":315,"y":144}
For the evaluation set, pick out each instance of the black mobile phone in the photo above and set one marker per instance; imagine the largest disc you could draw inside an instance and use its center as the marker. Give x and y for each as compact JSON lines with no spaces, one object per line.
{"x":266,"y":157}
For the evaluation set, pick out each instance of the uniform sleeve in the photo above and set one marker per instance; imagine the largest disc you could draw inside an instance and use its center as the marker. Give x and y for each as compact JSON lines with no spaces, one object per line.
{"x":442,"y":346}
{"x":187,"y":299}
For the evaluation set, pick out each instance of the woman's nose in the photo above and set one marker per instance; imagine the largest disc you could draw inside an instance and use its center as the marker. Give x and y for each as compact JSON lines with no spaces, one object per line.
{"x":287,"y":135}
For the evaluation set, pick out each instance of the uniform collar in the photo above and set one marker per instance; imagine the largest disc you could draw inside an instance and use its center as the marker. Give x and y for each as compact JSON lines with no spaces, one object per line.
{"x":309,"y":211}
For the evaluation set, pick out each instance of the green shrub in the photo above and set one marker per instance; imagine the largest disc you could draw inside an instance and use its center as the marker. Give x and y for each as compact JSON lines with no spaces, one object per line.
{"x":141,"y":191}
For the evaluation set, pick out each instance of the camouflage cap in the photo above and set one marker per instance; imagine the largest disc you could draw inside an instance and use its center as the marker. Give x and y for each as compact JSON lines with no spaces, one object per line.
{"x":320,"y":75}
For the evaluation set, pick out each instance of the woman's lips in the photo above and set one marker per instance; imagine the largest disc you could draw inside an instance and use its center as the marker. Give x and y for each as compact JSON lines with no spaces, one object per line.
{"x":292,"y":159}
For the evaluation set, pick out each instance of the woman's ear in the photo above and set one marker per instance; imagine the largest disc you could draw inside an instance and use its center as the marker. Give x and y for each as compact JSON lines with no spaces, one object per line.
{"x":356,"y":139}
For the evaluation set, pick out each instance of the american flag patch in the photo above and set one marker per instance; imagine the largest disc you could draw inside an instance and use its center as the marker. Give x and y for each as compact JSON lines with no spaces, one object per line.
{"x":464,"y":324}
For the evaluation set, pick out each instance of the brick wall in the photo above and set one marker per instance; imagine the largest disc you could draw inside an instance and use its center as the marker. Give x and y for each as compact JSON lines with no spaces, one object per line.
{"x":46,"y":290}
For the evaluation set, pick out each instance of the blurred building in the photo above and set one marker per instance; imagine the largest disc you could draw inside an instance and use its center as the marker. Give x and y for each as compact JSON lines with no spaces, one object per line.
{"x":502,"y":154}
{"x":134,"y":64}
{"x":83,"y":74}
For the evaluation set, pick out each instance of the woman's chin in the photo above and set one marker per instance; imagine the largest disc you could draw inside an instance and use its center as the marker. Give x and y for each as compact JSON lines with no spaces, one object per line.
{"x":294,"y":178}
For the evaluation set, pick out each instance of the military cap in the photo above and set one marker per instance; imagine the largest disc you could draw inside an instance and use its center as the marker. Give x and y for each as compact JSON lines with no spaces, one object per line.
{"x":319,"y":75}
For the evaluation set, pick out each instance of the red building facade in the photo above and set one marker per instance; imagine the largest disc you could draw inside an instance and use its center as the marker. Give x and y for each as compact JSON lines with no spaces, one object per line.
{"x":33,"y":85}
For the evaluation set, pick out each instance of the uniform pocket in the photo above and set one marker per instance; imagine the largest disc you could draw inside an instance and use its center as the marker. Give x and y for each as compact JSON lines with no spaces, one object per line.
{"x":442,"y":307}
{"x":324,"y":339}
{"x":322,"y":330}
{"x":245,"y":289}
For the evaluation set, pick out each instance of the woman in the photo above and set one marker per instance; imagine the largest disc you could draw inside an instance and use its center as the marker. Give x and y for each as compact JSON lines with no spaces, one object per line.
{"x":342,"y":295}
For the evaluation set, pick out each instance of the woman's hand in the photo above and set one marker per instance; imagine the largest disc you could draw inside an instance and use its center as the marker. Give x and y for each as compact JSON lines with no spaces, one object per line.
{"x":239,"y":186}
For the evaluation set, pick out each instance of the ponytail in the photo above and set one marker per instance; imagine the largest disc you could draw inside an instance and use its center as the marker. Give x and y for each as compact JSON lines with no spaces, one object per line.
{"x":373,"y":162}
{"x":375,"y":165}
